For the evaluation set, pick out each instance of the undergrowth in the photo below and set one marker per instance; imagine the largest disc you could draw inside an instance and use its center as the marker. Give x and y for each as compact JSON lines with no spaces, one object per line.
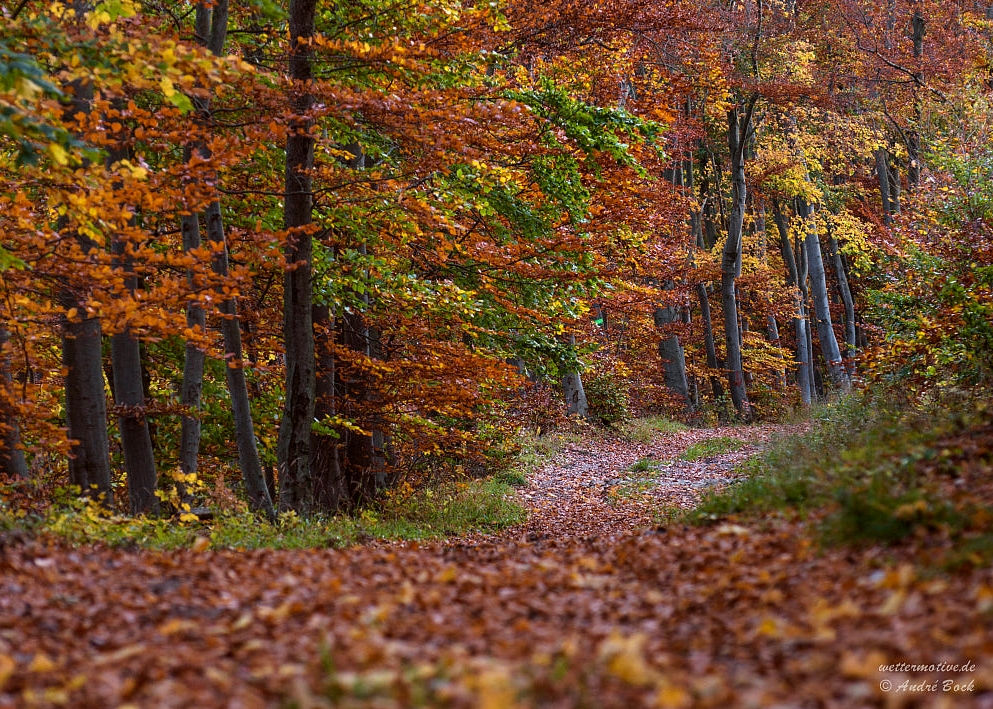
{"x":445,"y":510}
{"x":870,"y":472}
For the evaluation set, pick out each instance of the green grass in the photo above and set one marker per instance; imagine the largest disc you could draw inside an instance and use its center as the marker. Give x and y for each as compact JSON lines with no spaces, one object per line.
{"x":643,"y":430}
{"x":859,"y":474}
{"x":644,"y":465}
{"x":445,"y":510}
{"x":711,"y":447}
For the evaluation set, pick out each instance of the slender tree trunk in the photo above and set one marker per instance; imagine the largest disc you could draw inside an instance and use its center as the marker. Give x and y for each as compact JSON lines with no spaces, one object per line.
{"x":192,"y":387}
{"x":883,"y":179}
{"x":296,"y":482}
{"x":918,"y":27}
{"x":846,"y":298}
{"x":795,"y":278}
{"x":738,"y":127}
{"x":12,"y":461}
{"x":822,"y":309}
{"x":241,"y":407}
{"x":129,"y":397}
{"x":211,"y":30}
{"x":716,"y":387}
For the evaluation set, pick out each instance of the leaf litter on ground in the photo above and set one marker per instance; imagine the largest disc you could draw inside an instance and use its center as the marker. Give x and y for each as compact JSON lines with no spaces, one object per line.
{"x":587,"y":604}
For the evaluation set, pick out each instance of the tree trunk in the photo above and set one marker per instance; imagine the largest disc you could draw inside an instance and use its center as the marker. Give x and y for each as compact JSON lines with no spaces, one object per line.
{"x":716,"y":387}
{"x":12,"y":461}
{"x":883,"y":179}
{"x":193,"y":364}
{"x":796,"y":279}
{"x":822,"y":309}
{"x":207,"y":21}
{"x":241,"y":406}
{"x":86,"y":402}
{"x":296,"y":482}
{"x":672,"y":356}
{"x":846,"y":298}
{"x":572,"y":390}
{"x":82,"y":356}
{"x":129,"y":397}
{"x":738,"y":127}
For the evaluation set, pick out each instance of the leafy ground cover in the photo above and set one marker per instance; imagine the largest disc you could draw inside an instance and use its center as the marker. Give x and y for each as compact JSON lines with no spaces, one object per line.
{"x":588,"y":603}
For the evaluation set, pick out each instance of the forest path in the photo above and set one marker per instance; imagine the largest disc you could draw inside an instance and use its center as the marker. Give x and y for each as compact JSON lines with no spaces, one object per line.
{"x":586,"y":605}
{"x":591,"y":489}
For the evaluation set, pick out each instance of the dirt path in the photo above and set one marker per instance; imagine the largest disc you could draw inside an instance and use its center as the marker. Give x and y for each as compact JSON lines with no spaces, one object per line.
{"x":573,"y":494}
{"x":582,"y":607}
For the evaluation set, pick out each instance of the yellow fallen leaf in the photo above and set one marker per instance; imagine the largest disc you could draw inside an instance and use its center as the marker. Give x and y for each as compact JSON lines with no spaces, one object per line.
{"x":200,"y":544}
{"x":496,"y":690}
{"x":42,"y":663}
{"x":892,"y":604}
{"x":671,"y":696}
{"x":7,"y":667}
{"x":625,"y":658}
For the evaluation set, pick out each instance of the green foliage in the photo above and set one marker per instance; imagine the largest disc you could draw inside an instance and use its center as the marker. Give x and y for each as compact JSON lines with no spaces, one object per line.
{"x":607,"y":396}
{"x":877,"y":511}
{"x":711,"y":447}
{"x":448,"y":509}
{"x":859,"y":471}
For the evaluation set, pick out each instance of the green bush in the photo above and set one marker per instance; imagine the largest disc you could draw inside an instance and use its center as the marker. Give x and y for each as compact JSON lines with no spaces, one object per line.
{"x":607,"y":396}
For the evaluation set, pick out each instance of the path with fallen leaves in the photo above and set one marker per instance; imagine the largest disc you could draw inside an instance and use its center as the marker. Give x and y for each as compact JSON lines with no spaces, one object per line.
{"x":587,"y":605}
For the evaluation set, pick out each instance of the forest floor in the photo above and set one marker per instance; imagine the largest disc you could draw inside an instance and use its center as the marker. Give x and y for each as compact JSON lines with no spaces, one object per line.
{"x":591,"y":603}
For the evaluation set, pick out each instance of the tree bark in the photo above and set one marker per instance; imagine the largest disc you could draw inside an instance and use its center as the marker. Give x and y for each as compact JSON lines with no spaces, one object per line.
{"x":883,"y":179}
{"x":739,"y":122}
{"x":846,"y":298}
{"x":86,"y":402}
{"x":822,"y":309}
{"x":672,"y":355}
{"x":129,"y":397}
{"x":572,"y":390}
{"x":296,"y":482}
{"x":797,"y":280}
{"x":82,"y":355}
{"x":12,"y":461}
{"x":192,"y":387}
{"x":241,"y":406}
{"x":716,"y":387}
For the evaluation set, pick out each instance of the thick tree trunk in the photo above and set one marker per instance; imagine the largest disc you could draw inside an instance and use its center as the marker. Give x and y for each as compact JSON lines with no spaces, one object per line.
{"x":82,"y":356}
{"x":822,"y":309}
{"x":86,"y":402}
{"x":738,"y":127}
{"x":673,"y":357}
{"x":129,"y":397}
{"x":296,"y":482}
{"x":572,"y":390}
{"x":12,"y":461}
